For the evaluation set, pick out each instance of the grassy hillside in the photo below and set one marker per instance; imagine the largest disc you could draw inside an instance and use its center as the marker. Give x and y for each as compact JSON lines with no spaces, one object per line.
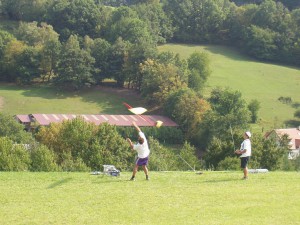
{"x":168,"y":198}
{"x":43,"y":99}
{"x":255,"y":80}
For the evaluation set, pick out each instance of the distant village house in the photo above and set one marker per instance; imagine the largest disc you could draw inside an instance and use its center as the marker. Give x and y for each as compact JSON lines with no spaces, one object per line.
{"x":294,"y":136}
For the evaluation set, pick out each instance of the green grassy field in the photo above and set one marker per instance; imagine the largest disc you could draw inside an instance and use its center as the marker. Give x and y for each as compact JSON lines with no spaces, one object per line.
{"x":168,"y":198}
{"x":43,"y":99}
{"x":255,"y":80}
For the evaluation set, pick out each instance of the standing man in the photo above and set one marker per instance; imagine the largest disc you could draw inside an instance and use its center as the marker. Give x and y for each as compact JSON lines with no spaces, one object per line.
{"x":143,"y":152}
{"x":245,"y":152}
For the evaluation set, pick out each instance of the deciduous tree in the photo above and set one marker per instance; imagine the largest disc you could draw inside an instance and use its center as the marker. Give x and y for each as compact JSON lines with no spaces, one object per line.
{"x":187,"y":109}
{"x":198,"y":64}
{"x":10,"y":128}
{"x":196,"y":20}
{"x":28,"y":65}
{"x":14,"y":157}
{"x":25,"y":10}
{"x":117,"y":58}
{"x":160,"y":26}
{"x":12,"y":51}
{"x":228,"y":112}
{"x":77,"y":17}
{"x":5,"y":38}
{"x":160,"y":81}
{"x":101,"y":51}
{"x":75,"y":66}
{"x":254,"y":107}
{"x":46,"y":41}
{"x":260,"y":43}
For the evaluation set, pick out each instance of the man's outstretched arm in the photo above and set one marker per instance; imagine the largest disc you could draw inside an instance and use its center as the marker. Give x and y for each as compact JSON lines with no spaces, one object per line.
{"x":130,"y":142}
{"x":136,"y":126}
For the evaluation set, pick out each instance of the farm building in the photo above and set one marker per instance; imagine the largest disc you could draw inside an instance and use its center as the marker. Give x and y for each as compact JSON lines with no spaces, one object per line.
{"x":294,"y":136}
{"x":33,"y":120}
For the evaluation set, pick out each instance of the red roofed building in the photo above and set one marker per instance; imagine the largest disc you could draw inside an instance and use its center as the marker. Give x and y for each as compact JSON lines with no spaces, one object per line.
{"x":34,"y":120}
{"x":294,"y":136}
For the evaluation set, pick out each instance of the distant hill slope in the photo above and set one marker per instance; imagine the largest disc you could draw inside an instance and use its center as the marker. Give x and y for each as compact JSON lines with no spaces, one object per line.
{"x":255,"y":80}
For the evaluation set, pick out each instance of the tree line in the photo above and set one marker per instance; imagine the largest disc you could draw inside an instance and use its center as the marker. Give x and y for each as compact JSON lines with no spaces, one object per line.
{"x":76,"y":145}
{"x":109,"y":39}
{"x":291,"y":4}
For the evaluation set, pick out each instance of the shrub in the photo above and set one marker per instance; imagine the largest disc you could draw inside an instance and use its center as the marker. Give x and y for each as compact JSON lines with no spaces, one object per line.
{"x":297,"y":163}
{"x":297,"y":113}
{"x":167,"y":135}
{"x":217,"y":151}
{"x":286,"y":100}
{"x":229,"y":163}
{"x":109,"y":148}
{"x":272,"y":154}
{"x":86,"y":143}
{"x":188,"y":159}
{"x":14,"y":157}
{"x":290,"y":165}
{"x":161,"y":159}
{"x":13,"y":130}
{"x":42,"y":159}
{"x":73,"y":165}
{"x":254,"y":107}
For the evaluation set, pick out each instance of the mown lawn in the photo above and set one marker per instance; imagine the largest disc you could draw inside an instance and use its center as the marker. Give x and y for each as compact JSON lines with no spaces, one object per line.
{"x":44,"y":99}
{"x":168,"y":198}
{"x":265,"y":82}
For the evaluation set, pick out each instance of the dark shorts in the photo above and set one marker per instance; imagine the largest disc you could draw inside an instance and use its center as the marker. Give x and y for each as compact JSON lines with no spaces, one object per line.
{"x":244,"y":161}
{"x":142,"y":161}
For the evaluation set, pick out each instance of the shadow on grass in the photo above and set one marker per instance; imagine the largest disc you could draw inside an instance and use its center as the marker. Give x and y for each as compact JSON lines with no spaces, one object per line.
{"x":59,"y":183}
{"x":105,"y":179}
{"x":292,"y":123}
{"x":229,"y":52}
{"x":296,"y":105}
{"x":221,"y":180}
{"x":42,"y":91}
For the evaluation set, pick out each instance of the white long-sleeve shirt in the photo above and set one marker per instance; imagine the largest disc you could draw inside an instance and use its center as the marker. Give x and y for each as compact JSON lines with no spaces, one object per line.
{"x":142,"y":149}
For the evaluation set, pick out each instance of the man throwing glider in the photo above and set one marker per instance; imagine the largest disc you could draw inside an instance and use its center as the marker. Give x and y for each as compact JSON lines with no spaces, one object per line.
{"x":143,"y":152}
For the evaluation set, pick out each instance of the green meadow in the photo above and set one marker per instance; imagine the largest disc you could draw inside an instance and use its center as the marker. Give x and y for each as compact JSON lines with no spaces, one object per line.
{"x":43,"y":99}
{"x":168,"y":198}
{"x":265,"y":82}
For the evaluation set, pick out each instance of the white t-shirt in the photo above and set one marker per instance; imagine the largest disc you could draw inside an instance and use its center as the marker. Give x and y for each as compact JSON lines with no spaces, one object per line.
{"x":142,"y":149}
{"x":246,"y":145}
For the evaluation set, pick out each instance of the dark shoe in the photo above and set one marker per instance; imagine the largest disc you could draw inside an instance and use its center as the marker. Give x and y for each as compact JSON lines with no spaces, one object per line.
{"x":147,"y":178}
{"x":245,"y":178}
{"x":132,"y":179}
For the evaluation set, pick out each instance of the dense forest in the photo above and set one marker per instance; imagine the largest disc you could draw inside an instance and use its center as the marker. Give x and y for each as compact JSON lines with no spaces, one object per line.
{"x":110,"y":38}
{"x":75,"y":44}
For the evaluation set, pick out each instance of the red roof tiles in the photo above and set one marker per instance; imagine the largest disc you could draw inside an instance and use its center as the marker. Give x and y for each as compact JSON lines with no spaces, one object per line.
{"x":118,"y":120}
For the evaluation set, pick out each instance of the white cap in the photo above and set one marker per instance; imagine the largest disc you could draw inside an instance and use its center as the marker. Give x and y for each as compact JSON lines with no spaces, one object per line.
{"x":248,"y":134}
